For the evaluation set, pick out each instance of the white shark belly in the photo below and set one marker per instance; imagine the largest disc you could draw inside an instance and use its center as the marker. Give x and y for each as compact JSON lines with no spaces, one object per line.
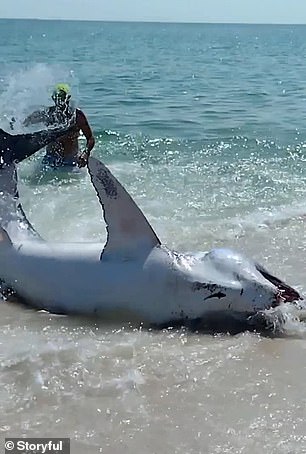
{"x":76,"y":281}
{"x":155,"y":290}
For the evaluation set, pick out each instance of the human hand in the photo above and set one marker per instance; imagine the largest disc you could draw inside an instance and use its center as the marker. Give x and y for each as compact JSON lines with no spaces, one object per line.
{"x":83,"y":158}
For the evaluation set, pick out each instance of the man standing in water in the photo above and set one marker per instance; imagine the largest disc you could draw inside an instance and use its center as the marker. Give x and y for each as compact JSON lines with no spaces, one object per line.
{"x":65,"y":150}
{"x":14,"y":149}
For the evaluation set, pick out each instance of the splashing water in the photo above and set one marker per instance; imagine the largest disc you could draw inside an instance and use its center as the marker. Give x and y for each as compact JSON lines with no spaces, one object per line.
{"x":287,"y":320}
{"x":27,"y":90}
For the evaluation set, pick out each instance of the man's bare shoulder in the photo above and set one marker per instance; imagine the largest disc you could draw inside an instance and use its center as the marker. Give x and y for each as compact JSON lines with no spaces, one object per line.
{"x":81,"y":120}
{"x":80,"y":115}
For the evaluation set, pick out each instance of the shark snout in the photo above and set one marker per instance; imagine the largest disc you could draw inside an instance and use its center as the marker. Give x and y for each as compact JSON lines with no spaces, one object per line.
{"x":267,"y":290}
{"x":251,"y":287}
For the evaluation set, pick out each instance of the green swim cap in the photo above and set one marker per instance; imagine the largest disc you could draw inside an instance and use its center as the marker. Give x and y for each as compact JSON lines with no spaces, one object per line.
{"x":61,"y":88}
{"x":61,"y":94}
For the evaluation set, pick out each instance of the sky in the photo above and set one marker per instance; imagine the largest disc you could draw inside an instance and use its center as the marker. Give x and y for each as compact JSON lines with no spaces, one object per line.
{"x":246,"y":11}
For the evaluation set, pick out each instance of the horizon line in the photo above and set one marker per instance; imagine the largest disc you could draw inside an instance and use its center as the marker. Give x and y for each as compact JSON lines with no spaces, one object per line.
{"x":146,"y":21}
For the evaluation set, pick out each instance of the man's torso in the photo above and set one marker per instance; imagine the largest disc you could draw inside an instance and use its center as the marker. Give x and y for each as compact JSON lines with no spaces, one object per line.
{"x":67,"y":146}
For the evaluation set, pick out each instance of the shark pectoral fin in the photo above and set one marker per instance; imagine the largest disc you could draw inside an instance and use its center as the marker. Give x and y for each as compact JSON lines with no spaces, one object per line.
{"x":128,"y":231}
{"x":4,"y":238}
{"x":6,"y":245}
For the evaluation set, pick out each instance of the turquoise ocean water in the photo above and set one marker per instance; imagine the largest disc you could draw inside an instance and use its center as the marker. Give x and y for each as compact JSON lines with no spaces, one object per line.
{"x":205,"y":125}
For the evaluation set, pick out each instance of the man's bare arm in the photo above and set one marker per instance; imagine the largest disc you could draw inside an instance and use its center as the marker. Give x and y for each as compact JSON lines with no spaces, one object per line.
{"x":86,"y":130}
{"x":83,"y":124}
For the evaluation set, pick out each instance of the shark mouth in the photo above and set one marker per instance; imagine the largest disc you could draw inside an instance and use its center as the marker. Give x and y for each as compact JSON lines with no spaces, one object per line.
{"x":286,"y":294}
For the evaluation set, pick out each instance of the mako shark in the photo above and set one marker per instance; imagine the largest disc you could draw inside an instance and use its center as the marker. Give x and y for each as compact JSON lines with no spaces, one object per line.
{"x":133,"y":277}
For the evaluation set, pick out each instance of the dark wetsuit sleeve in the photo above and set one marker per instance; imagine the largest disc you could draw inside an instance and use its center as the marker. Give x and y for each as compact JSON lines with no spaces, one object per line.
{"x":24,"y":145}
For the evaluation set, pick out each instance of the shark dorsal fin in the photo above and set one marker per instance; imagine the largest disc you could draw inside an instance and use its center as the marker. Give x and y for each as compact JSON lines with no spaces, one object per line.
{"x":129,"y":234}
